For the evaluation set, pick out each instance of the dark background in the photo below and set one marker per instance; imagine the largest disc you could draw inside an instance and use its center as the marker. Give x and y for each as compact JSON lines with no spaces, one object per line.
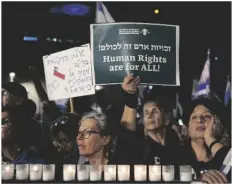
{"x":203,"y":25}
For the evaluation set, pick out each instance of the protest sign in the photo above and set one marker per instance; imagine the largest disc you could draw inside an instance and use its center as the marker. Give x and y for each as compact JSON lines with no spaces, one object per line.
{"x":150,"y":51}
{"x":69,"y":73}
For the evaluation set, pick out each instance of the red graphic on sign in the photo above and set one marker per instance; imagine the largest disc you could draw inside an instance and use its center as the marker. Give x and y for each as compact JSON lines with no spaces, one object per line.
{"x":58,"y":74}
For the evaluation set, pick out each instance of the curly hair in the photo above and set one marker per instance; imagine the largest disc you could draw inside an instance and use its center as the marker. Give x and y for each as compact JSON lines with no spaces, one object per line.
{"x":217,"y":109}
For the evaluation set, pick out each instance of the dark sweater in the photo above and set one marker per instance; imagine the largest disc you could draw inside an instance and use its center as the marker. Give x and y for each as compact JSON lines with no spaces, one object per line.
{"x":189,"y":158}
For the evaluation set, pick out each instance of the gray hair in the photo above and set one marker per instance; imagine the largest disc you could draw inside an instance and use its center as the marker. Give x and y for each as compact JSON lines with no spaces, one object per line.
{"x":105,"y":128}
{"x":101,"y":122}
{"x":166,"y":115}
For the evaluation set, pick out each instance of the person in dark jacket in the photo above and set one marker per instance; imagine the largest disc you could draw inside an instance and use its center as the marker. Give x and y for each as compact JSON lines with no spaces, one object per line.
{"x":155,"y":140}
{"x":16,"y":145}
{"x":63,"y":135}
{"x":208,"y":140}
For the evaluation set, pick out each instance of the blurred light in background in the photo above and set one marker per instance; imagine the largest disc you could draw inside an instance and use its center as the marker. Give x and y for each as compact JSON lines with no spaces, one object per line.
{"x":70,"y":41}
{"x":54,"y":39}
{"x":180,"y":122}
{"x":98,"y":88}
{"x":156,"y":11}
{"x":12,"y":76}
{"x":75,"y":9}
{"x":150,"y":87}
{"x":30,"y":38}
{"x":71,"y":9}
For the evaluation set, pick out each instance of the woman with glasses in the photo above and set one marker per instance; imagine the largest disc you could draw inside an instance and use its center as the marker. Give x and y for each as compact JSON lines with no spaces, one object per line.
{"x":97,"y":141}
{"x":208,"y":140}
{"x":94,"y":139}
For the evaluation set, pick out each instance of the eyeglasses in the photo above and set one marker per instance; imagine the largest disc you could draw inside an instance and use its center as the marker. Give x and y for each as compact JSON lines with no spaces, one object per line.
{"x":86,"y":133}
{"x":203,"y":118}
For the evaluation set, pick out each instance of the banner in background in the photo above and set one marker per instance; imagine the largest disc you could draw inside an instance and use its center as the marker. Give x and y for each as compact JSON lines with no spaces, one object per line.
{"x":69,"y":73}
{"x":150,"y":51}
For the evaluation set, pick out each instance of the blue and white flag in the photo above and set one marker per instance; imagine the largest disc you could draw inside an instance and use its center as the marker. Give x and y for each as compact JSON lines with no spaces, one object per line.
{"x":203,"y":86}
{"x":102,"y":14}
{"x":227,"y":93}
{"x":227,"y":163}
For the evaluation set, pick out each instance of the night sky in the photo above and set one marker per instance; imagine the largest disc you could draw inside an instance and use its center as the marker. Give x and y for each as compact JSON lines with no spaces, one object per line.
{"x":203,"y":25}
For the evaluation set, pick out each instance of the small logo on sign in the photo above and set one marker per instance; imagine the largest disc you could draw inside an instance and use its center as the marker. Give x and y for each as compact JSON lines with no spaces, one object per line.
{"x":145,"y":32}
{"x":129,"y":31}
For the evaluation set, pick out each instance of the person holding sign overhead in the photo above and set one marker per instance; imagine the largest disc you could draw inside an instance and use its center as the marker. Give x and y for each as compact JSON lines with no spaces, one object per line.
{"x":156,"y":141}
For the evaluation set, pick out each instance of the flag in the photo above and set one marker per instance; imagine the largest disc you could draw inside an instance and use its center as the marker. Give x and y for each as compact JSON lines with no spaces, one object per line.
{"x":227,"y":92}
{"x":102,"y":14}
{"x":203,"y":86}
{"x":194,"y":89}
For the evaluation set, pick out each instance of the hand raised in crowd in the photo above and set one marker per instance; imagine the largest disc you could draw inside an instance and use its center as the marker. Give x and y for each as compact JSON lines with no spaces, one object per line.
{"x":130,"y":84}
{"x":213,"y":177}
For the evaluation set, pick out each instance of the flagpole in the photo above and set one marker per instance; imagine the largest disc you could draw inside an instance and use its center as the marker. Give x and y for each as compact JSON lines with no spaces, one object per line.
{"x":71,"y":105}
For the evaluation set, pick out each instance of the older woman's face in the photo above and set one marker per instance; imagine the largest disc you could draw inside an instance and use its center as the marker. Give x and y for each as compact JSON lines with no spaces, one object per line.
{"x":199,"y":120}
{"x":88,"y":139}
{"x":152,"y":116}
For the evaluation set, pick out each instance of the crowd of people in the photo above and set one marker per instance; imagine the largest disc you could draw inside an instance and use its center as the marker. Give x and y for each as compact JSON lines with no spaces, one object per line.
{"x":114,"y":137}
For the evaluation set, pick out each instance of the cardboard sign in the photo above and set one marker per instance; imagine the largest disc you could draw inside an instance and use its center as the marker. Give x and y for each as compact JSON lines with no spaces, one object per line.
{"x":69,"y":73}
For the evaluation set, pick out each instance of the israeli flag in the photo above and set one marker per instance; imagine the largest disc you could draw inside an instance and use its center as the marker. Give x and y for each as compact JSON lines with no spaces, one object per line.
{"x":227,"y":93}
{"x":102,"y":14}
{"x":203,"y":86}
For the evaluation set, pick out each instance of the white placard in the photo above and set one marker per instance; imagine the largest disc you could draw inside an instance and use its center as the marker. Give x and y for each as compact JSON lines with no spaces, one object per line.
{"x":69,"y":73}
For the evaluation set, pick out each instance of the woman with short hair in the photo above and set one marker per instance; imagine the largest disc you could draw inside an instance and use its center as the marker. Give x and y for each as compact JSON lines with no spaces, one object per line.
{"x":156,"y":140}
{"x":95,"y":139}
{"x":102,"y":143}
{"x":208,"y":140}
